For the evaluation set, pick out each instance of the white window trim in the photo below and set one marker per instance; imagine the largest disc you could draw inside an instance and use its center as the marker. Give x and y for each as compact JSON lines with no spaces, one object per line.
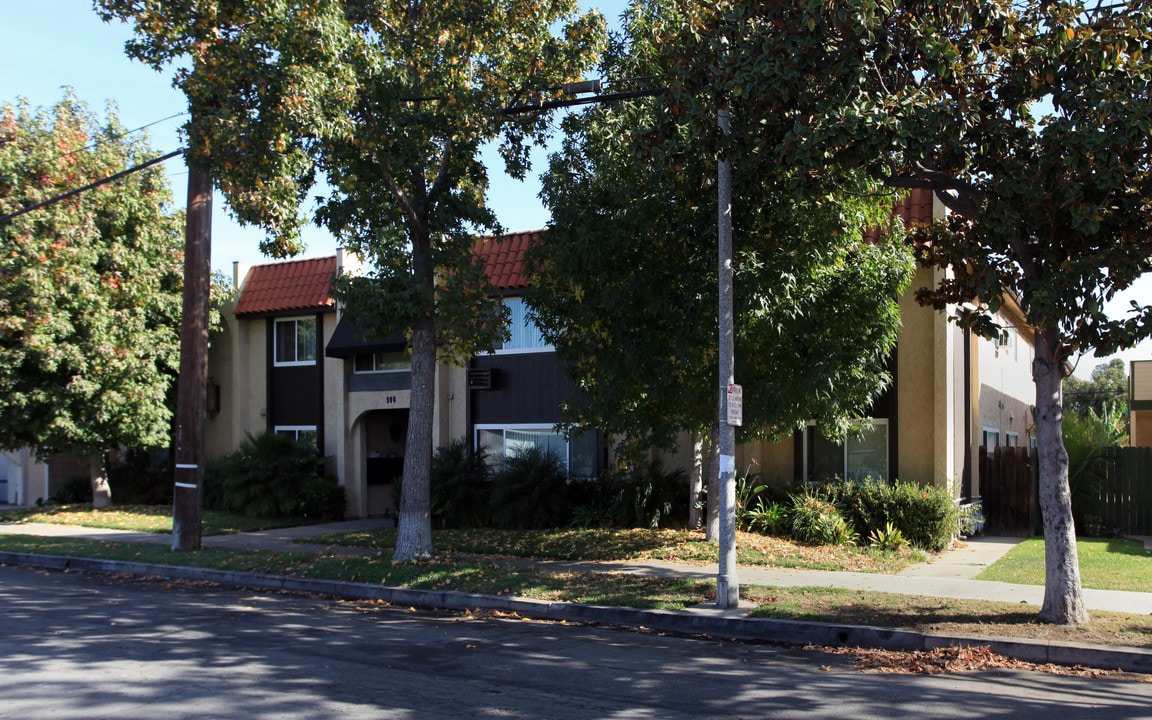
{"x":524,"y":351}
{"x":523,"y":426}
{"x":984,"y":431}
{"x":294,"y":428}
{"x":276,"y":362}
{"x":876,"y":422}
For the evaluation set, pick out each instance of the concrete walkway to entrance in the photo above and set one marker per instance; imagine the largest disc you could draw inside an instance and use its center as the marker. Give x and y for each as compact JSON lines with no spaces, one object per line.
{"x":948,"y":575}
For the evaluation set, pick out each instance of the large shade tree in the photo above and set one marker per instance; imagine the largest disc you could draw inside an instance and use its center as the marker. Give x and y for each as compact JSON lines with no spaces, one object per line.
{"x":90,"y":290}
{"x":625,"y":281}
{"x":1031,"y":121}
{"x":392,"y":101}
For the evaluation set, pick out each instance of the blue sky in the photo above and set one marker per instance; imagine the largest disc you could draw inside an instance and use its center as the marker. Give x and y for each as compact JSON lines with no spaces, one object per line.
{"x":48,"y":44}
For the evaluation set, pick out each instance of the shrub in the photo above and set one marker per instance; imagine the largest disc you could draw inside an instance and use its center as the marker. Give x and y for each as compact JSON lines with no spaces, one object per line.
{"x":74,"y":491}
{"x":645,"y":496}
{"x":460,"y":488}
{"x":816,"y":520}
{"x":867,"y":504}
{"x":141,"y":477}
{"x":768,"y":518}
{"x":322,"y":498}
{"x":530,"y":492}
{"x":265,"y":477}
{"x":890,"y":538}
{"x":833,"y":529}
{"x":925,"y":514}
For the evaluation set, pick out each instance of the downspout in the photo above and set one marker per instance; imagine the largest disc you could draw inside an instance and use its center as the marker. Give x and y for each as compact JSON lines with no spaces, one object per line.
{"x":966,"y":473}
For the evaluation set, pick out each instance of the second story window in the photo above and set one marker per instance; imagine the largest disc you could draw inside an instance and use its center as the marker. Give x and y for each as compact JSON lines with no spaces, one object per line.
{"x":382,"y":362}
{"x":295,"y":341}
{"x":523,"y":335}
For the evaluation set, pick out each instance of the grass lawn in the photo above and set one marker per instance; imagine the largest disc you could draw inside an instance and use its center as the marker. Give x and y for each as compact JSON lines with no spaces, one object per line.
{"x":598,"y":545}
{"x":494,"y":562}
{"x":141,"y":518}
{"x":1105,"y":564}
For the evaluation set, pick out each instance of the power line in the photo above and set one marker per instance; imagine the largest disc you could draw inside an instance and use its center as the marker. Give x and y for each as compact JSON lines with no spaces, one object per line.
{"x":96,"y":143}
{"x":103,"y":140}
{"x":90,"y":186}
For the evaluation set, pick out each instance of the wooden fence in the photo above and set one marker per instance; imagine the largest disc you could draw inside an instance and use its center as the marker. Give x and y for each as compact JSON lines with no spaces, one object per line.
{"x":1008,"y":491}
{"x":1122,"y":505}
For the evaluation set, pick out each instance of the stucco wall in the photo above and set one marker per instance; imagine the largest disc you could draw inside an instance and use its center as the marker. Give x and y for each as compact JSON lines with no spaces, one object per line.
{"x":918,"y":354}
{"x":1006,"y":390}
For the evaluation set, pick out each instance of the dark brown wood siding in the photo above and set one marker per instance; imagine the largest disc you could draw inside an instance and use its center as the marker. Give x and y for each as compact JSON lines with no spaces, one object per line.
{"x":529,"y":389}
{"x":296,"y":392}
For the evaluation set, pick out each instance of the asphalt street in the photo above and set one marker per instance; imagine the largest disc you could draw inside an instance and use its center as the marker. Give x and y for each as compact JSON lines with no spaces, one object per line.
{"x":88,"y":647}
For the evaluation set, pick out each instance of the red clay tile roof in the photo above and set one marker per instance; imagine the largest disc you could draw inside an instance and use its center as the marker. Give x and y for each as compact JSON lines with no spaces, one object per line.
{"x":288,"y":286}
{"x":914,"y":209}
{"x":503,"y":258}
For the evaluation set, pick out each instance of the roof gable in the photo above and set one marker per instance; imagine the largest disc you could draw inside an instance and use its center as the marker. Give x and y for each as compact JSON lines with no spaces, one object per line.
{"x":296,"y":285}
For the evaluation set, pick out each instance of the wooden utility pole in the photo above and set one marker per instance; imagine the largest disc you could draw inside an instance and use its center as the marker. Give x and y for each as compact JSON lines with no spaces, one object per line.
{"x":192,"y":386}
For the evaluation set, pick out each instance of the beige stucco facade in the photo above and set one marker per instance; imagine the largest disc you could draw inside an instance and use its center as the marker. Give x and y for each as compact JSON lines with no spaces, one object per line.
{"x":950,"y":386}
{"x":1140,"y":403}
{"x":355,"y":425}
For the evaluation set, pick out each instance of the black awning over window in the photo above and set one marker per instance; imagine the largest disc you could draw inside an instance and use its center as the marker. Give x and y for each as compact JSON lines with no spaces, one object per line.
{"x":348,"y":340}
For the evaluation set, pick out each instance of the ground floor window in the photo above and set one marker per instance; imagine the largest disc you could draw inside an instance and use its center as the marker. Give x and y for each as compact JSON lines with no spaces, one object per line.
{"x":853,"y":457}
{"x":298,"y":432}
{"x":576,"y":453}
{"x":990,"y":438}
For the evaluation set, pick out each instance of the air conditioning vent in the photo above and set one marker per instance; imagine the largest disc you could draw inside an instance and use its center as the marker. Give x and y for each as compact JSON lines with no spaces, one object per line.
{"x":483,"y":378}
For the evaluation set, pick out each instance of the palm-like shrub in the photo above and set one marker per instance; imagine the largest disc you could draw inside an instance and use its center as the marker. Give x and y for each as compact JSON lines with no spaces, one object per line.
{"x":530,"y":492}
{"x":266,"y":477}
{"x":1086,"y":437}
{"x":460,"y":487}
{"x":646,"y":496}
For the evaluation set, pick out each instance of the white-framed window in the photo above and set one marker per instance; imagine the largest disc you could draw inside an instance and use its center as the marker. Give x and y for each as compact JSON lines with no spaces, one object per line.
{"x":1012,"y":439}
{"x":524,"y":336}
{"x":295,"y":341}
{"x":856,"y":456}
{"x":576,"y":453}
{"x":298,"y":432}
{"x":989,"y":438}
{"x":382,"y":362}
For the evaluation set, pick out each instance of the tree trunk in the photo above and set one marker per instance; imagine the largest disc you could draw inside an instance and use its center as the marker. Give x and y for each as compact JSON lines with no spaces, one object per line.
{"x":712,"y":529}
{"x":696,"y":481}
{"x":101,"y":490}
{"x":1063,"y":598}
{"x":414,"y":527}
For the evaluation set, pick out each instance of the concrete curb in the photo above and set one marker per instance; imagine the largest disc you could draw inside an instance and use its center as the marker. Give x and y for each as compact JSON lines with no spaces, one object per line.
{"x":712,"y":625}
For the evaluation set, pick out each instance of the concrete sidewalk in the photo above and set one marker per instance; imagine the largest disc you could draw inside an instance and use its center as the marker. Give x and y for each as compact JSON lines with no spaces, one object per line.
{"x":949,"y":575}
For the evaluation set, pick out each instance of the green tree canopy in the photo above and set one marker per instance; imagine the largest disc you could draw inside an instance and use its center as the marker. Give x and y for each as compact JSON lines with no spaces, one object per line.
{"x":1030,"y":120}
{"x":1105,"y":392}
{"x":625,"y":282}
{"x":391,"y":100}
{"x":90,"y":298}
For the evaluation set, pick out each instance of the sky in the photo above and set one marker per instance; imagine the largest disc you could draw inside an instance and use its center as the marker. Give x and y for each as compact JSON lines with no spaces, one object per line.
{"x":46,"y":45}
